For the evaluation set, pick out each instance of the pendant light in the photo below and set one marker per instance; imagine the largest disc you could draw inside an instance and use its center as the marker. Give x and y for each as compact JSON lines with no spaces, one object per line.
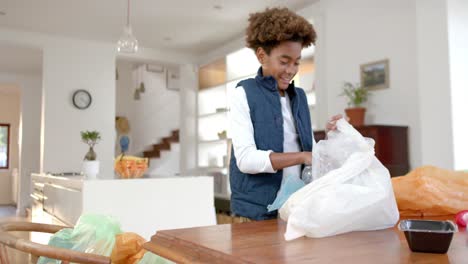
{"x":127,"y":42}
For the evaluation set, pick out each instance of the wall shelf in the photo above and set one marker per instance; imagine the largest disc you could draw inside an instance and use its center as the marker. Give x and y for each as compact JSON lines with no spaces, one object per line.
{"x":222,"y":170}
{"x":214,"y":141}
{"x":222,"y":196}
{"x":212,"y":114}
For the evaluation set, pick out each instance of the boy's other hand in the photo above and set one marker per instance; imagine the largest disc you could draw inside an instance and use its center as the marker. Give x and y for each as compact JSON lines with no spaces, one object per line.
{"x":331,"y":124}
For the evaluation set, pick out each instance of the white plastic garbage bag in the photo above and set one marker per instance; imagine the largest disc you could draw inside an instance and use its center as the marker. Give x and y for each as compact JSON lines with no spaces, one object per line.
{"x":351,"y":190}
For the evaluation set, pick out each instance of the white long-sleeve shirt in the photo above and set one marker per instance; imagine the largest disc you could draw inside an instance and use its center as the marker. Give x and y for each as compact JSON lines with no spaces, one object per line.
{"x":250,"y":159}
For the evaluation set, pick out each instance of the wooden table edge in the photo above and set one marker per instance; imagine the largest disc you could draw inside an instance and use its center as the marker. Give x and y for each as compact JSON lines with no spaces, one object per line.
{"x":183,"y":251}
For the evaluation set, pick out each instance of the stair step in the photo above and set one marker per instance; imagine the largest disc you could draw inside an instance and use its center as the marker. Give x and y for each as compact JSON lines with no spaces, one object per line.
{"x":164,"y":145}
{"x":152,"y":154}
{"x":170,"y":139}
{"x":175,"y":134}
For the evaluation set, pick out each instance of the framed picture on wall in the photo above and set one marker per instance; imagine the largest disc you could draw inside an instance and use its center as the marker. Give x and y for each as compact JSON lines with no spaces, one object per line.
{"x":172,"y":80}
{"x":375,"y":75}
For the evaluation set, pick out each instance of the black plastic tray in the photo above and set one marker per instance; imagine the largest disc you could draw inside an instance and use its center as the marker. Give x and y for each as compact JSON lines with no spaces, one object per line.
{"x":428,"y":235}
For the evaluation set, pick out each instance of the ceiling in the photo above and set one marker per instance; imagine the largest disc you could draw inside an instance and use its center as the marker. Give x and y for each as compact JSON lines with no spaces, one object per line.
{"x":20,"y":60}
{"x":193,"y":27}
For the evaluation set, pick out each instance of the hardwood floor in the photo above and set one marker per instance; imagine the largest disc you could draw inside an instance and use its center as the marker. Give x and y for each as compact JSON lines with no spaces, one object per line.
{"x":8,"y":213}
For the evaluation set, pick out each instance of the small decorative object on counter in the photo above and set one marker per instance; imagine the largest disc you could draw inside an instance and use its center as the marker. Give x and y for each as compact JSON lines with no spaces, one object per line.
{"x":357,"y":95}
{"x":91,"y":138}
{"x":128,"y":167}
{"x":90,"y":169}
{"x":222,"y":134}
{"x":124,"y":143}
{"x":122,"y":127}
{"x":461,"y":218}
{"x":90,"y":164}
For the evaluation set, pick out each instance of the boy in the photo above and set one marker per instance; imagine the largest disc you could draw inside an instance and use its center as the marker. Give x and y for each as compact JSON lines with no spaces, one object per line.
{"x":270,"y":120}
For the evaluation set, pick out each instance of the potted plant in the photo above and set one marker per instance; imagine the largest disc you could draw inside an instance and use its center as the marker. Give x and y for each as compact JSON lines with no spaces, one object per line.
{"x":357,"y":95}
{"x":90,"y":164}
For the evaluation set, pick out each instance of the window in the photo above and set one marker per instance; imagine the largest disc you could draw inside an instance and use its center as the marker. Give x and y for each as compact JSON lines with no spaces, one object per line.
{"x":4,"y":145}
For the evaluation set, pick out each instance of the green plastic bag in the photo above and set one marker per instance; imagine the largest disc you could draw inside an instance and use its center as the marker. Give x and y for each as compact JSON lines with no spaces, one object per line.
{"x":92,"y":234}
{"x":150,"y":258}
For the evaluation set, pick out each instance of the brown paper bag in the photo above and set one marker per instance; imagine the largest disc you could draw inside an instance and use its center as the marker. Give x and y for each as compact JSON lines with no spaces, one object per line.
{"x":431,"y":191}
{"x":128,"y":248}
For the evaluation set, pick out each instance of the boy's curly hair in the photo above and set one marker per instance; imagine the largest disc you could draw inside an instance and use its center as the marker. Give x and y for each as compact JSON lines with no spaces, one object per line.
{"x":269,"y":28}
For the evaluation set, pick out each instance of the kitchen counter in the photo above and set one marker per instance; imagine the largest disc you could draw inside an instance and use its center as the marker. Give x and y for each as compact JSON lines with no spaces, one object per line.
{"x":263,"y":242}
{"x":142,"y":206}
{"x":73,"y":182}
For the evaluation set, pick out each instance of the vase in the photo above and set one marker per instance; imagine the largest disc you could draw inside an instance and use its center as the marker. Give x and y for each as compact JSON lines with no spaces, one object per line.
{"x":90,"y":169}
{"x":356,"y":115}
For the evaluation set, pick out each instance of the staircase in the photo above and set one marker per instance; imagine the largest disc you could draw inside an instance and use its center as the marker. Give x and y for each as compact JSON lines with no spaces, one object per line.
{"x":165,"y":144}
{"x":164,"y":157}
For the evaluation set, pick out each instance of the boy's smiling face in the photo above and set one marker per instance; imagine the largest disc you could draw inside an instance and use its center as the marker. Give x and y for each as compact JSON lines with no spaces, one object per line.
{"x":282,"y":63}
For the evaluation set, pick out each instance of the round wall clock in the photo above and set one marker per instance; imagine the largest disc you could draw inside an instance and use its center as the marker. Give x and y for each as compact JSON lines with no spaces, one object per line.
{"x":82,"y":99}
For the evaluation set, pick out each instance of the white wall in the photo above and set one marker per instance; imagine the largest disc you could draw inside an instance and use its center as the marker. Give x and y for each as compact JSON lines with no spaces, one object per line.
{"x":125,"y":87}
{"x":68,"y":66}
{"x":152,"y":117}
{"x":71,"y":64}
{"x":156,"y":113}
{"x":458,"y":53}
{"x":427,"y":90}
{"x":350,"y":39}
{"x":30,"y":89}
{"x":9,"y":114}
{"x":188,"y":114}
{"x":434,"y":83}
{"x":320,"y":113}
{"x":426,"y":93}
{"x":347,"y":39}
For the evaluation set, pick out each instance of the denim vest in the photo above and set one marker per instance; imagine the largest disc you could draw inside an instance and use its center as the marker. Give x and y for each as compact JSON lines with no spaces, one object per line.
{"x":251,"y":193}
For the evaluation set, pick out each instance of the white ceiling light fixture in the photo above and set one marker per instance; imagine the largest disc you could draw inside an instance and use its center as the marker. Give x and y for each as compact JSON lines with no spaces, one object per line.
{"x":127,"y":42}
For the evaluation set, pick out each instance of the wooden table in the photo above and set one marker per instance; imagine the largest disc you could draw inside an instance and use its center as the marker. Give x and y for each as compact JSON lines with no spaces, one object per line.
{"x":263,"y":242}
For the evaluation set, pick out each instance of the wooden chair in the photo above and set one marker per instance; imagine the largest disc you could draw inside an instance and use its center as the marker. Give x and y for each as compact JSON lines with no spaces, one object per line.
{"x":27,"y":246}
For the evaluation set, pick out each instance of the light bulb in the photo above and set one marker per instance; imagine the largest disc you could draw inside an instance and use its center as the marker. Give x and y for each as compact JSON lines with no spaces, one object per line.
{"x":127,"y":42}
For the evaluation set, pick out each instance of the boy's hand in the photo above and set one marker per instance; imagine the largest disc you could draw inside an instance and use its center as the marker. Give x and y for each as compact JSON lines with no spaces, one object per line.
{"x":331,"y":125}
